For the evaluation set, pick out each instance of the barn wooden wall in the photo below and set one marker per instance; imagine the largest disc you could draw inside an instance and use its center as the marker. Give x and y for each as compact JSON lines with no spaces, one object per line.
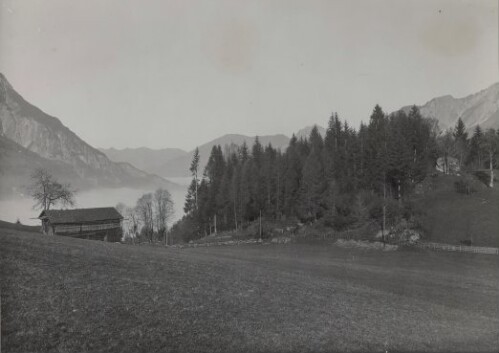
{"x":108,"y":230}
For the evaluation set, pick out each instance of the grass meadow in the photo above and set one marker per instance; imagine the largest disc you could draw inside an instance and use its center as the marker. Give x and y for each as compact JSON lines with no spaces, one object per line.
{"x":69,"y":295}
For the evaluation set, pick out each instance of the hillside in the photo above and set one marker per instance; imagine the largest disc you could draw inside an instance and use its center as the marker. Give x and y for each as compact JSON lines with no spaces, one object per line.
{"x":7,"y":226}
{"x":17,"y":164}
{"x":48,"y":138}
{"x":144,"y":158}
{"x":179,"y":167}
{"x":481,"y":108}
{"x":450,"y":217}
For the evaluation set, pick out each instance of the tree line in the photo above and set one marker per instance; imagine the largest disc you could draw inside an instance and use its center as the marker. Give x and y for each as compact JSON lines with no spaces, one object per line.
{"x":349,"y":177}
{"x":477,"y":152}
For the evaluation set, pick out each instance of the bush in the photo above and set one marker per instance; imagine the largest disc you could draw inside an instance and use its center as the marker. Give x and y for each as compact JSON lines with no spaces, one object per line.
{"x":349,"y":210}
{"x":464,"y":186}
{"x":343,"y":219}
{"x":185,"y":230}
{"x":394,"y":211}
{"x":482,"y":176}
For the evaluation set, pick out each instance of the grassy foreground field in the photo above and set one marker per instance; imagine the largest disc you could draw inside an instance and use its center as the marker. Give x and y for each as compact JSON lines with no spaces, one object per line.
{"x":72,"y":295}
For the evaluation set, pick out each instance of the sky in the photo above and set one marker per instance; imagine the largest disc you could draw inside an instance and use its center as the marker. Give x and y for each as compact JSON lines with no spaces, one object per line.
{"x":179,"y":73}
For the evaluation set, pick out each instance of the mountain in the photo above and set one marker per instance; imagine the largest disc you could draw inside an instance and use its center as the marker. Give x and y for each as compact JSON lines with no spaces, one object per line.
{"x":55,"y":144}
{"x":179,"y":167}
{"x":17,"y":163}
{"x":305,"y":132}
{"x":481,"y":108}
{"x":144,"y":158}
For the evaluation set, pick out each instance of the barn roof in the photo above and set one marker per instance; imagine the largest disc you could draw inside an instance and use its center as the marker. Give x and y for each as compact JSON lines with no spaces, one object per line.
{"x":81,"y":215}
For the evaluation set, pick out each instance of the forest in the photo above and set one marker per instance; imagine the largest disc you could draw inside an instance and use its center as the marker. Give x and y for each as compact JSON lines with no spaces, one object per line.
{"x":342,"y":181}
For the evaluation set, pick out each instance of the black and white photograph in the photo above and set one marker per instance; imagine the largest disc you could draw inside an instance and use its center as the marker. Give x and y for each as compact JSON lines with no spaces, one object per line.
{"x":249,"y":176}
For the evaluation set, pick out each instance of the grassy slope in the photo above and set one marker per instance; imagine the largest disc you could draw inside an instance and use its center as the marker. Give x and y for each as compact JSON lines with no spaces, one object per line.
{"x":63,"y":294}
{"x":21,"y":227}
{"x":451,"y":217}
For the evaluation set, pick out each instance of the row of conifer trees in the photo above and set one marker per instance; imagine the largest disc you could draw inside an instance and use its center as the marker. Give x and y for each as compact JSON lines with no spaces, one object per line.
{"x":344,"y":179}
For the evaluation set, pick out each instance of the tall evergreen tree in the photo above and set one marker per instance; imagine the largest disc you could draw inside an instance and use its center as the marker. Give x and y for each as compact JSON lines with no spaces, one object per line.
{"x":419,"y":135}
{"x":460,"y":141}
{"x":400,"y":152}
{"x":378,"y":149}
{"x":214,"y":171}
{"x":235,"y":191}
{"x":292,"y":177}
{"x":258,"y":178}
{"x":194,"y":172}
{"x":475,"y":157}
{"x":313,"y":182}
{"x":247,"y":210}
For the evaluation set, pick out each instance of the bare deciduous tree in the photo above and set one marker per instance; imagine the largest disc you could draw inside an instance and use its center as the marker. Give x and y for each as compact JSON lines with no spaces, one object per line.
{"x":47,"y":191}
{"x":144,"y":209}
{"x":163,"y":207}
{"x":130,"y":223}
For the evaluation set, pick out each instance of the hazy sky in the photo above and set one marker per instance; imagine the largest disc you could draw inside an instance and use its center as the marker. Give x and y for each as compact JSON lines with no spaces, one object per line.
{"x":180,"y":73}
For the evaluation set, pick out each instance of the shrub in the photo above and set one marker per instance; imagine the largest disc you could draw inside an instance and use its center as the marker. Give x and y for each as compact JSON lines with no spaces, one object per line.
{"x":348,"y":211}
{"x":185,"y":230}
{"x":394,"y":211}
{"x":464,"y":186}
{"x":482,"y":176}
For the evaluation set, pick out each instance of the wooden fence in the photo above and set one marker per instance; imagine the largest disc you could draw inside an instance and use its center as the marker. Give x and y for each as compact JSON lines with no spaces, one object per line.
{"x":459,"y":248}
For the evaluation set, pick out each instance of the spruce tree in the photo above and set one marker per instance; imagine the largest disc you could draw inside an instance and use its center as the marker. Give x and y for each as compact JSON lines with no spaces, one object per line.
{"x":313,"y":182}
{"x":460,"y":141}
{"x":292,"y":177}
{"x":475,"y":157}
{"x":378,"y":149}
{"x":194,"y":172}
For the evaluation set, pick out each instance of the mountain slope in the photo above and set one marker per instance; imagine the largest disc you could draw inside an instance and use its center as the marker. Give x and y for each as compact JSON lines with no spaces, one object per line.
{"x":17,"y":163}
{"x":47,"y":137}
{"x":144,"y":158}
{"x":179,"y":167}
{"x":481,"y":108}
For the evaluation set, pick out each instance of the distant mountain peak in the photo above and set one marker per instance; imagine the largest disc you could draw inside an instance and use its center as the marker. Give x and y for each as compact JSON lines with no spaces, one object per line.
{"x":481,"y":108}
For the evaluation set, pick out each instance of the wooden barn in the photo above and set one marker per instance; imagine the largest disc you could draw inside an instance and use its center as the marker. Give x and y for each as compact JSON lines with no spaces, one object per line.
{"x":88,"y":223}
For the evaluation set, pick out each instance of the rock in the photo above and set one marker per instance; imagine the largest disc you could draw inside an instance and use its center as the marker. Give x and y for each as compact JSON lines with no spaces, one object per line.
{"x":414,"y":238}
{"x":281,"y":240}
{"x":379,"y":235}
{"x":366,"y":245}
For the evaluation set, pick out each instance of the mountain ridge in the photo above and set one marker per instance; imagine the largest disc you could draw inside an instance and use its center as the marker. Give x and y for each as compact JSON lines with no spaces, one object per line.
{"x":143,"y":158}
{"x":38,"y":132}
{"x":480,"y":108}
{"x":179,"y":167}
{"x":175,"y":162}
